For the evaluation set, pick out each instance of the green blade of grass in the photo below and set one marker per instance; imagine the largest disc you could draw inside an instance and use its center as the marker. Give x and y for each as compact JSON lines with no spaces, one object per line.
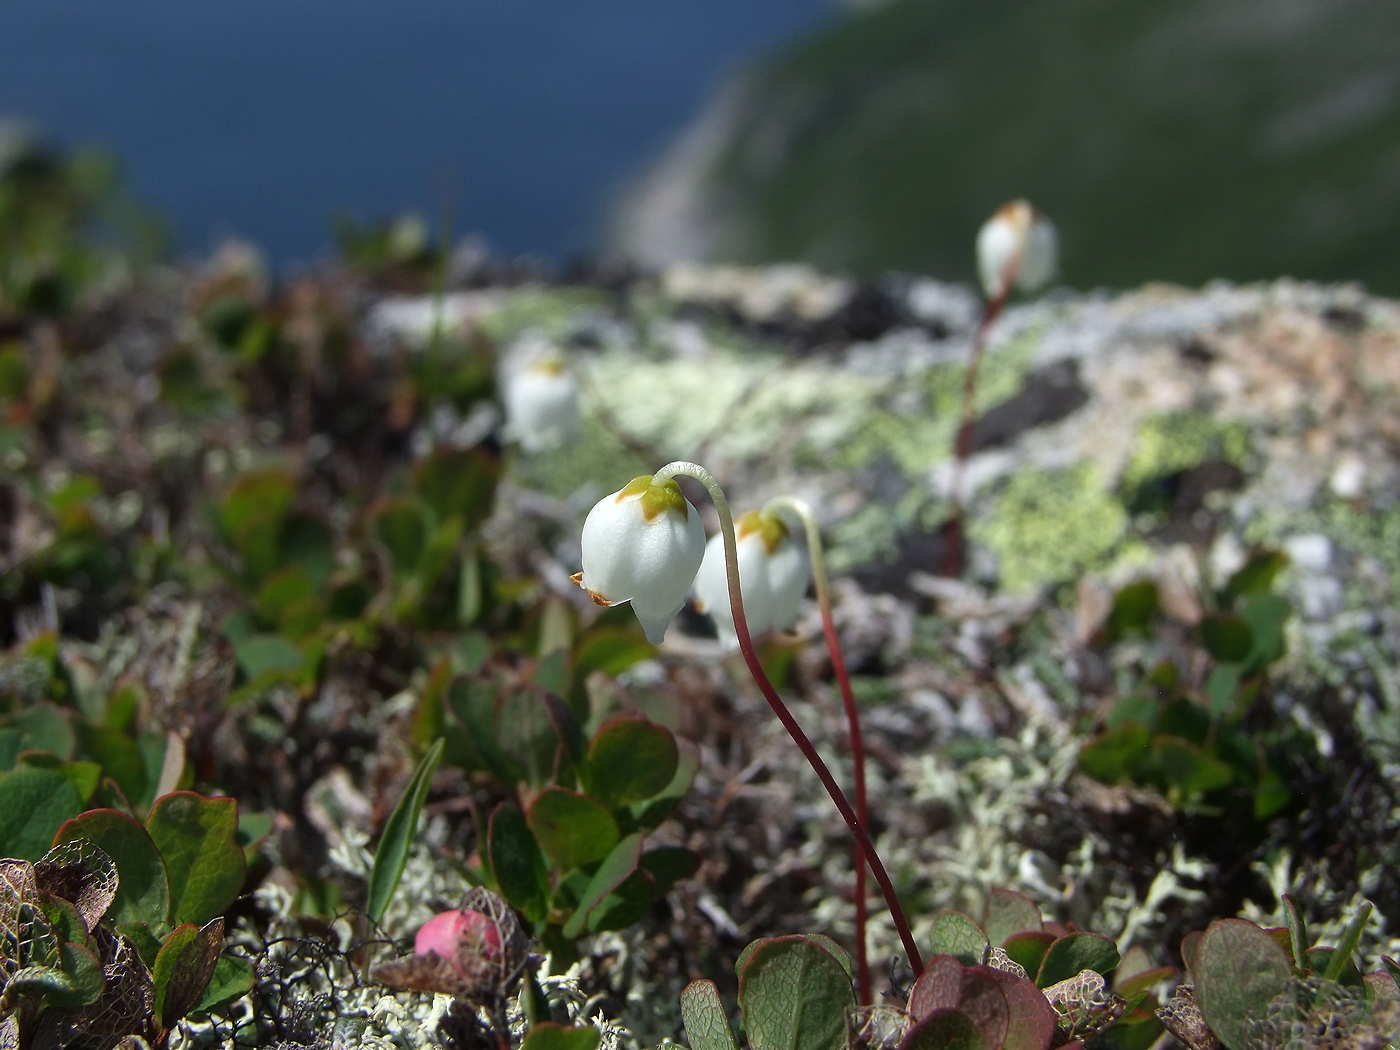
{"x":394,"y":844}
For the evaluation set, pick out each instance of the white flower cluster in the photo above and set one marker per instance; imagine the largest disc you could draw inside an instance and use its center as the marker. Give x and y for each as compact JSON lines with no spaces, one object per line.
{"x":645,"y":544}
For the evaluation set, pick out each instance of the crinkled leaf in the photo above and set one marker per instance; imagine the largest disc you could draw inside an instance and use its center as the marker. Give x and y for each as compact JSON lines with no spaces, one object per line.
{"x":794,"y":996}
{"x":1238,"y":970}
{"x":143,"y":890}
{"x":957,"y":935}
{"x":82,"y":874}
{"x":197,"y":839}
{"x":706,"y":1023}
{"x":399,"y":831}
{"x":1009,"y":912}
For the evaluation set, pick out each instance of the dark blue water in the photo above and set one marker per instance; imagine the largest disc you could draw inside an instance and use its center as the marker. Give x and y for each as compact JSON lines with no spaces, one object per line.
{"x":263,"y":118}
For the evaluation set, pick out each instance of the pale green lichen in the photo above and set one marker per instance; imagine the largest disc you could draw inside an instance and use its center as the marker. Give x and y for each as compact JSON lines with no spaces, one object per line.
{"x":1171,"y":442}
{"x":552,"y":312}
{"x":1049,"y":525}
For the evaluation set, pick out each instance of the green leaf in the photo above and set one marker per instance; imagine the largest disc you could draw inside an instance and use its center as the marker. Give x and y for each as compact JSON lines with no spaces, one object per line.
{"x":399,"y":831}
{"x":1009,"y":912}
{"x":611,"y":650}
{"x":1136,"y":973}
{"x":1221,"y":685}
{"x":1238,"y":970}
{"x":267,"y":654}
{"x":550,"y":1036}
{"x":706,"y":1023}
{"x":571,"y":828}
{"x":794,"y":996}
{"x":1226,"y":637}
{"x":399,"y":525}
{"x":957,"y":935}
{"x":517,"y":862}
{"x":626,"y":905}
{"x":616,"y":869}
{"x":1189,"y":768}
{"x":653,"y":811}
{"x":118,"y":755}
{"x":1115,"y":756}
{"x":34,"y":803}
{"x":460,"y":482}
{"x":1297,"y":930}
{"x":197,"y":839}
{"x":183,"y":969}
{"x":143,"y":889}
{"x":233,"y":977}
{"x":44,"y":727}
{"x":945,"y":1030}
{"x":1028,"y":949}
{"x":1133,"y":609}
{"x":1256,"y":575}
{"x":1074,"y":952}
{"x":630,"y":759}
{"x":84,"y":972}
{"x":821,"y":940}
{"x":1266,"y":614}
{"x":1346,"y":947}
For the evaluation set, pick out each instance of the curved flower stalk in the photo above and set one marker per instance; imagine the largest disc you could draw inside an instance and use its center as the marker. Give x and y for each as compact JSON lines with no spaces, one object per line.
{"x":1017,"y":249}
{"x":642,"y":544}
{"x":838,"y":668}
{"x":772,"y":572}
{"x":741,"y":630}
{"x":541,"y":402}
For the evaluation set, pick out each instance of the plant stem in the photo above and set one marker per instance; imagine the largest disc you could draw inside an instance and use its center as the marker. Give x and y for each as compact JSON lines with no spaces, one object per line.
{"x":838,"y":667}
{"x":741,"y":630}
{"x":967,"y":422}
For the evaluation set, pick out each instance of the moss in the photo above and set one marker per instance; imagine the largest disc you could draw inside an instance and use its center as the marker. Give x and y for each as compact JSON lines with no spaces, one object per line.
{"x":1049,"y":525}
{"x":1171,"y":442}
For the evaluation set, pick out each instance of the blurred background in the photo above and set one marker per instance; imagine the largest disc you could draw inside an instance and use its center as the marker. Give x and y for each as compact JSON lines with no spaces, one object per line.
{"x":1178,"y":140}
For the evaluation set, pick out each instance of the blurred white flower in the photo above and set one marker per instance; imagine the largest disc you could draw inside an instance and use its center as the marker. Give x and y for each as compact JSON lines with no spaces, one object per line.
{"x":773,"y":577}
{"x":642,"y":544}
{"x":541,"y":400}
{"x":1018,"y":244}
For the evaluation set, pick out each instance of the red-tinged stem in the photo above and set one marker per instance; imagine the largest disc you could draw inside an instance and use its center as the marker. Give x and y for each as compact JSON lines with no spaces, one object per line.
{"x":741,"y":630}
{"x":838,"y":666}
{"x":967,"y":424}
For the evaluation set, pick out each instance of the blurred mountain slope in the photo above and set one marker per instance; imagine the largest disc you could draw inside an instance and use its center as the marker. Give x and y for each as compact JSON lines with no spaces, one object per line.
{"x":1170,"y":139}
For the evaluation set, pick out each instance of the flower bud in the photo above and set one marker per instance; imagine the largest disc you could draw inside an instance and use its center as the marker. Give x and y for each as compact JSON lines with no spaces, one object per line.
{"x":642,"y":544}
{"x":773,"y":577}
{"x":1017,"y":244}
{"x":451,"y":932}
{"x":541,"y":401}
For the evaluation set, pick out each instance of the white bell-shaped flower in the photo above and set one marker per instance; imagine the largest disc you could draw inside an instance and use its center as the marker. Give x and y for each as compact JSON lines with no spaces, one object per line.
{"x":773,"y":578}
{"x":541,"y":401}
{"x":643,"y":544}
{"x":1020,"y":243}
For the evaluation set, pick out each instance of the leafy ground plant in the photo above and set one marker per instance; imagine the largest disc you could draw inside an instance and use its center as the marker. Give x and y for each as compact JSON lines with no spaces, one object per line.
{"x":118,"y":929}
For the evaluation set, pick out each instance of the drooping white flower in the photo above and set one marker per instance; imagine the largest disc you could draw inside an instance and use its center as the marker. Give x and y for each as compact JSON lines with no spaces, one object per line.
{"x":1018,"y":242}
{"x":642,"y":544}
{"x":773,"y":577}
{"x":541,"y":399}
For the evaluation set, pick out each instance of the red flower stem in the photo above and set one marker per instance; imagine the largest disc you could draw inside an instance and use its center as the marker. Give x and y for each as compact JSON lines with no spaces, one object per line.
{"x":967,"y":423}
{"x":838,"y":667}
{"x":741,"y":629}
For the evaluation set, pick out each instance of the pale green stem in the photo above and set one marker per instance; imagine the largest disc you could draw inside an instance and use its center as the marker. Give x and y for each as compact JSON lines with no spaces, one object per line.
{"x":741,"y":630}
